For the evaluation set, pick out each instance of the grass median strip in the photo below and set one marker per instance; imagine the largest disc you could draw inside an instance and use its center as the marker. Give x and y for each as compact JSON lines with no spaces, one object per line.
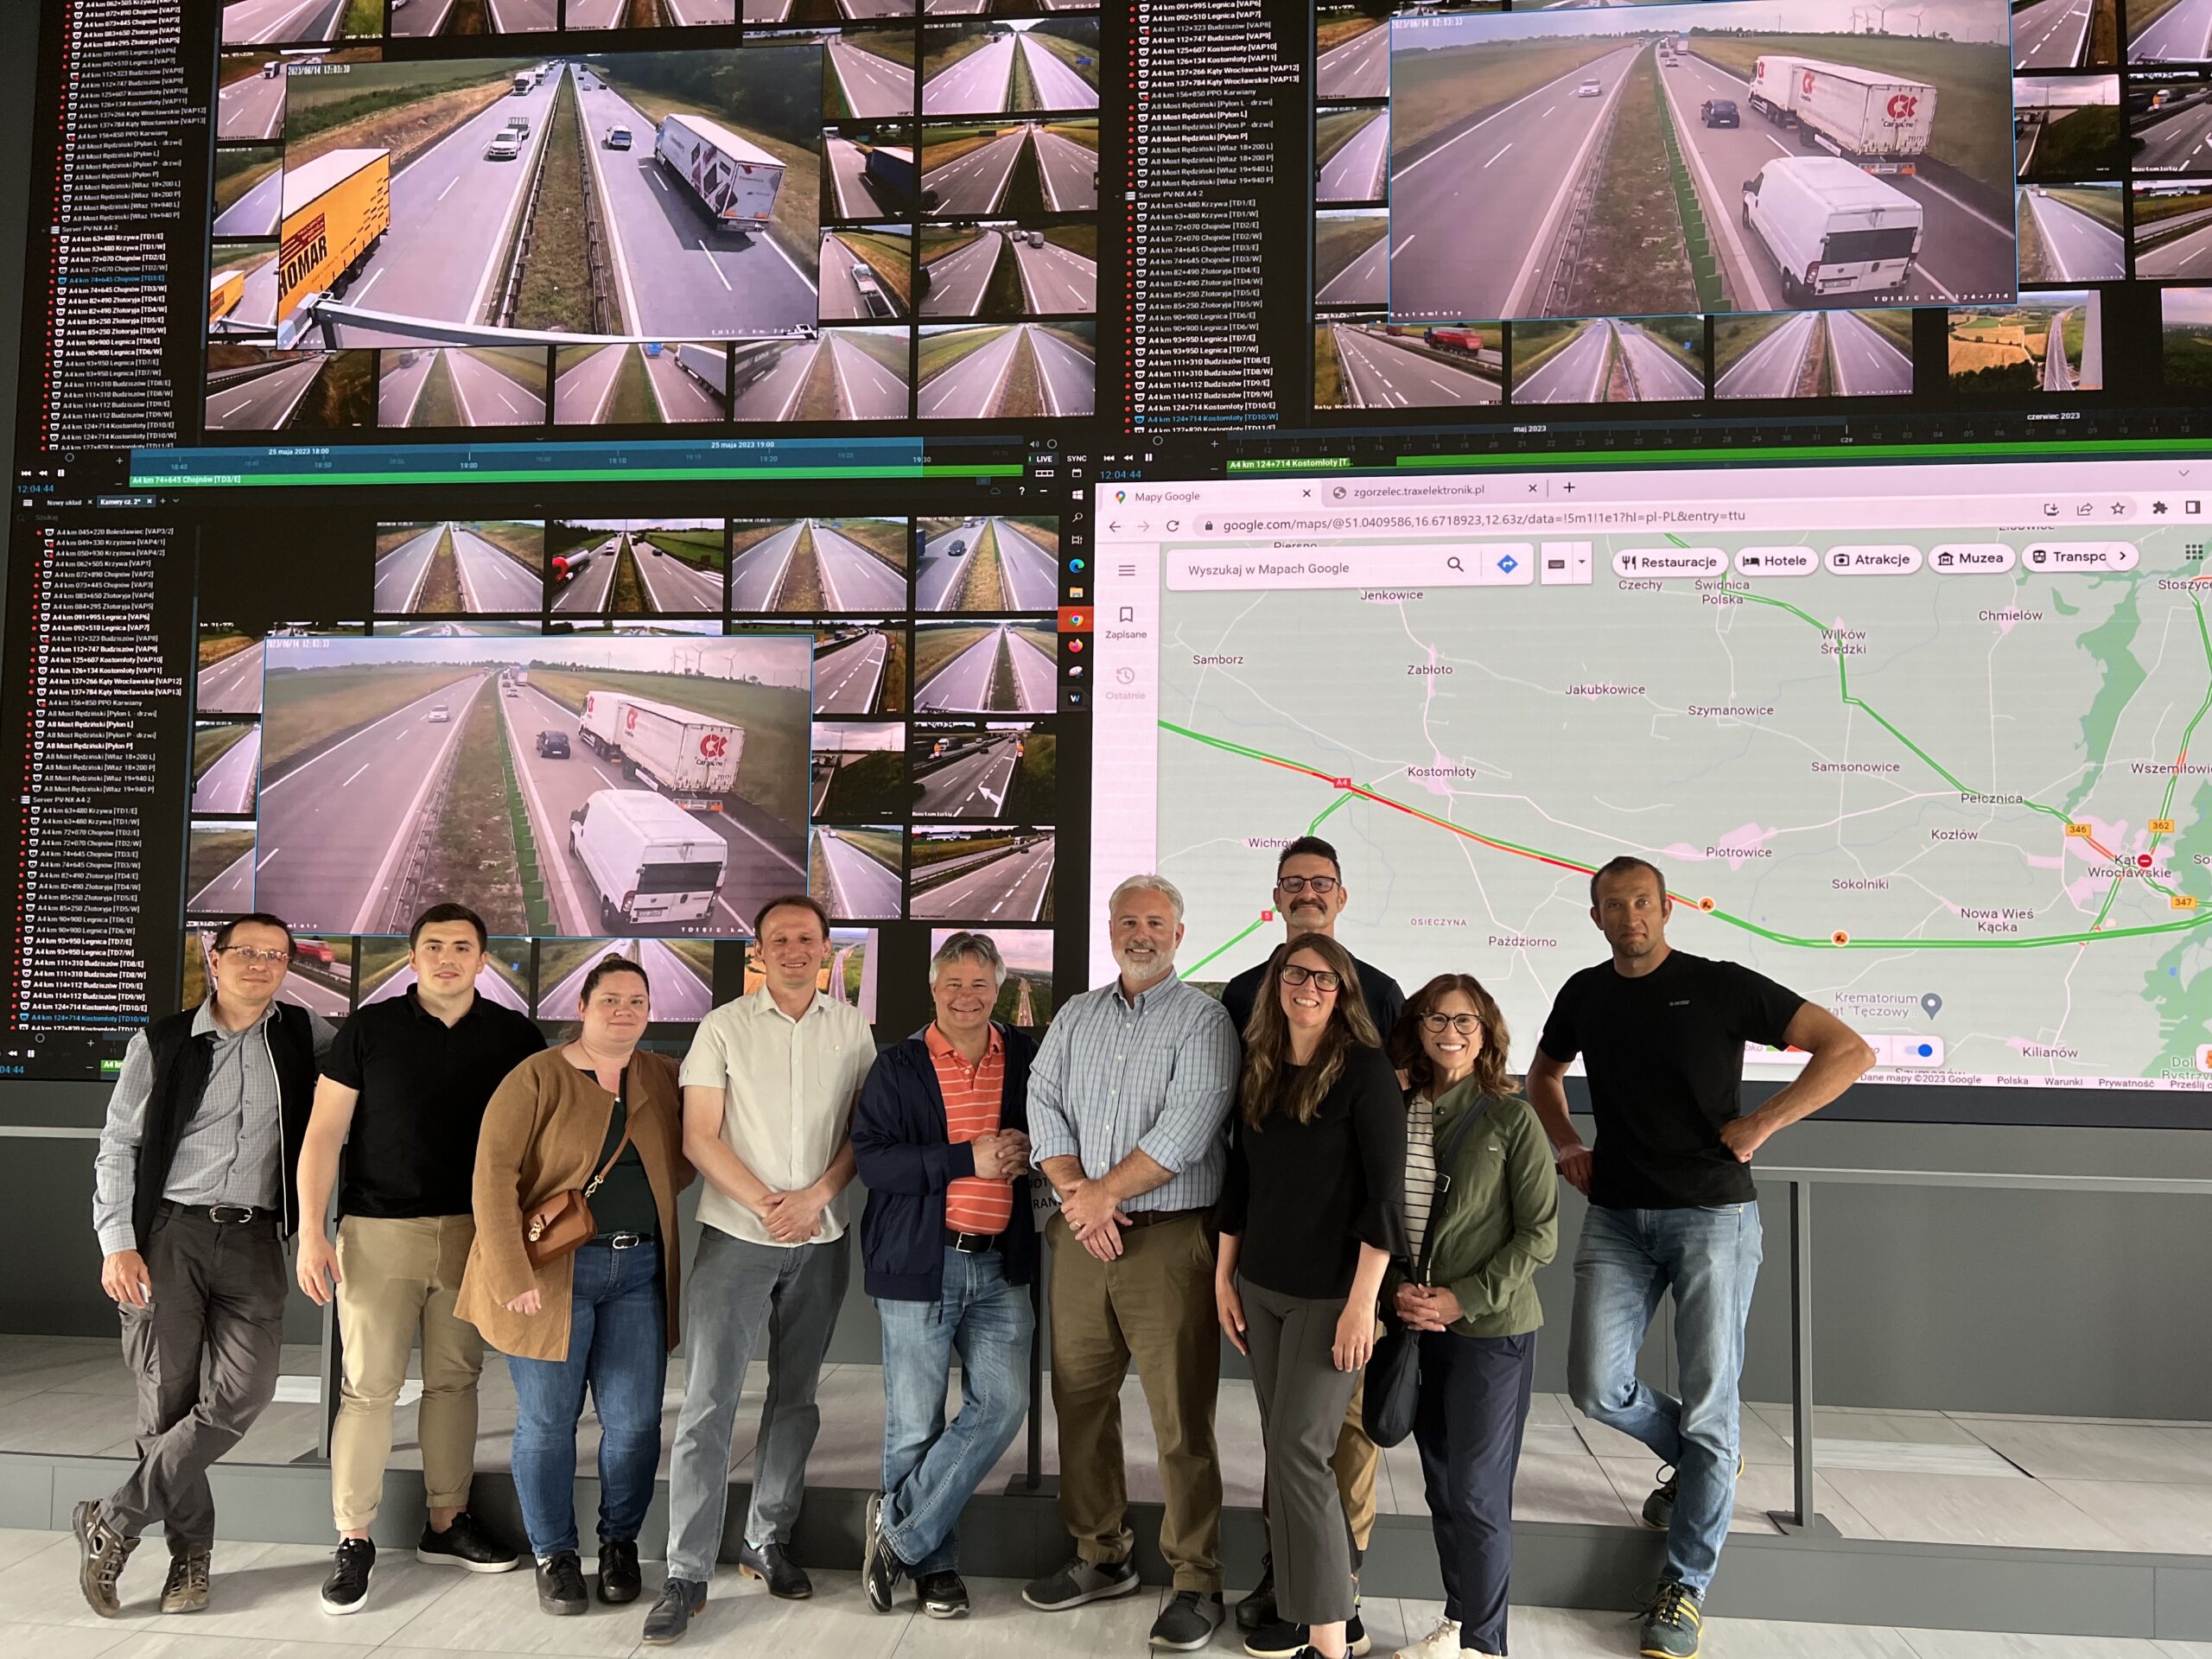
{"x":555,"y":287}
{"x":1634,"y":259}
{"x":473,"y":849}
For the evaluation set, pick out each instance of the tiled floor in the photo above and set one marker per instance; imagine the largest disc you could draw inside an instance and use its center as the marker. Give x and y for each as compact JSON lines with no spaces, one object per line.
{"x":263,"y":1607}
{"x":1918,"y":1477}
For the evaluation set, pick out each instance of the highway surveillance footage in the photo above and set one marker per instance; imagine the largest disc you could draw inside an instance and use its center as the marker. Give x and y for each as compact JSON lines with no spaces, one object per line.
{"x":1735,"y":156}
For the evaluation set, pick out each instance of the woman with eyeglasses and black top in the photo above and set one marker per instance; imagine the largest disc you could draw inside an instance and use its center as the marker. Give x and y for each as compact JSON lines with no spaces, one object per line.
{"x":603,"y":1317}
{"x":1309,"y":1220}
{"x":1482,"y":1215}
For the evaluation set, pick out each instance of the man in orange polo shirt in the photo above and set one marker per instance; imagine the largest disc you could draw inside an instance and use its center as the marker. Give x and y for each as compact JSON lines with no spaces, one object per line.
{"x":941,"y":1135}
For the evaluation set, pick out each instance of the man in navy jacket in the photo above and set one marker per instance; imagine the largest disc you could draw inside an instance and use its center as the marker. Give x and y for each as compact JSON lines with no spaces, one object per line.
{"x":941,"y":1133}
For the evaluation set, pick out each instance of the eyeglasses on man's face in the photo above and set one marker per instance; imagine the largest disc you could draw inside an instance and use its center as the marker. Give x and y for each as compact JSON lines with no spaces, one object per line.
{"x":1320,"y":885}
{"x":1466,"y":1024}
{"x":247,"y":955}
{"x":1322,"y":978}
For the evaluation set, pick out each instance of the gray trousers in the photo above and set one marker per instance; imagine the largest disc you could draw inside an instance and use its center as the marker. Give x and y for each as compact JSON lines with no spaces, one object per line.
{"x":735,"y":1290}
{"x":205,"y":1351}
{"x":1303,"y":1398}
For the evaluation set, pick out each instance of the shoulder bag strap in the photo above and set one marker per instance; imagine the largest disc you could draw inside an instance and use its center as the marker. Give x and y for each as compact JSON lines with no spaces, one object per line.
{"x":622,"y":1096}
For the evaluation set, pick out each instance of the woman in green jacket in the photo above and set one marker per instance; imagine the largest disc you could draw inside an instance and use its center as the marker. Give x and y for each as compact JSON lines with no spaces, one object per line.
{"x":1481,"y":1195}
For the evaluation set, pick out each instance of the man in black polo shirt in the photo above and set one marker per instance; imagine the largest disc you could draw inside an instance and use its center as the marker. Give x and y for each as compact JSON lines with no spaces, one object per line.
{"x":403,"y":1092}
{"x":1672,"y":1204}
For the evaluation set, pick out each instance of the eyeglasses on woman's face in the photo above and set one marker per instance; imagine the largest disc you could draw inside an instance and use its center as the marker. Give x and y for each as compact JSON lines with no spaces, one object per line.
{"x":1466,"y":1024}
{"x":1293,"y":973}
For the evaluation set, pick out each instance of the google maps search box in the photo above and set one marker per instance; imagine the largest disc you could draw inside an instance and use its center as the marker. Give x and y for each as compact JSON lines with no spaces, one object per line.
{"x":1289,"y":564}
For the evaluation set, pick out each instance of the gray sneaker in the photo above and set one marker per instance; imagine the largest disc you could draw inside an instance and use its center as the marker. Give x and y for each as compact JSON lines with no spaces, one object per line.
{"x":1079,"y":1582}
{"x":102,"y":1551}
{"x":1659,"y":1508}
{"x":1188,"y":1622}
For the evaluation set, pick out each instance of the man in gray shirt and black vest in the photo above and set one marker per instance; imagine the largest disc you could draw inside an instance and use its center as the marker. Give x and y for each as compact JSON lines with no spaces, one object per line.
{"x":192,"y":1200}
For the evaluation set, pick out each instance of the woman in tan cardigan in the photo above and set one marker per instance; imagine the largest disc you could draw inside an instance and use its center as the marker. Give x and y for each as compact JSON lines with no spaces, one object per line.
{"x":604,"y":1316}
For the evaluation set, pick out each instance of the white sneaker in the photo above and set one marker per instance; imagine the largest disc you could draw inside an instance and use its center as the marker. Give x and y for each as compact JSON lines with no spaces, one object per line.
{"x":1442,"y":1643}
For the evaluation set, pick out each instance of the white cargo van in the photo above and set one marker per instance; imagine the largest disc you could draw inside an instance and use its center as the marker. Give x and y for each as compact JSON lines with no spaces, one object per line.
{"x":1831,"y":227}
{"x":648,"y":859}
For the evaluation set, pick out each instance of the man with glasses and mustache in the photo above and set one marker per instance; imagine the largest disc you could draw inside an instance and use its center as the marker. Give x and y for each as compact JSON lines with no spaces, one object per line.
{"x":193,"y":1199}
{"x":1309,"y":896}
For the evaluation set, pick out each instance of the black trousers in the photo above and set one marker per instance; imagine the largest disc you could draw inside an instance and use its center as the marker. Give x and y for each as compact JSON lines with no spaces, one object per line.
{"x":206,"y":1352}
{"x":1473,"y":1405}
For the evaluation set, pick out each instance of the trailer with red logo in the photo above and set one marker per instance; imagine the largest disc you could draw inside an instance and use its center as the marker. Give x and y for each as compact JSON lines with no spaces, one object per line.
{"x":689,"y":757}
{"x":732,"y":178}
{"x":1880,"y":121}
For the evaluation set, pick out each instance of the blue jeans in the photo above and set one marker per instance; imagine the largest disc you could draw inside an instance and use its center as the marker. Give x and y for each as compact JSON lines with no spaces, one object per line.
{"x":1709,"y":1257}
{"x":618,"y":1344}
{"x":931,"y":1467}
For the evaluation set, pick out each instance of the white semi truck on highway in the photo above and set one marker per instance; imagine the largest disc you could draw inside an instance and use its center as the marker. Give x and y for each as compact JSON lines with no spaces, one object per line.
{"x":690,"y":757}
{"x":1880,"y":121}
{"x":650,"y":860}
{"x":735,"y":180}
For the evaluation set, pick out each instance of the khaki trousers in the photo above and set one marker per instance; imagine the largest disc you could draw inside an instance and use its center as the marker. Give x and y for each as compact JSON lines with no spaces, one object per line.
{"x":1154,"y":1304}
{"x":398,"y":1277}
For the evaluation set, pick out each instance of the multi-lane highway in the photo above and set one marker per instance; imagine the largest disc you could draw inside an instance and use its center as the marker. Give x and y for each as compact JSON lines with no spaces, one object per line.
{"x":230,"y":685}
{"x":973,"y":785}
{"x":2187,"y":255}
{"x":1380,"y":372}
{"x":1054,"y":279}
{"x":2175,"y":142}
{"x":596,"y":14}
{"x":2078,"y":247}
{"x":682,"y":276}
{"x":679,"y":994}
{"x":1065,"y":372}
{"x":862,"y":889}
{"x":1359,"y":67}
{"x":1357,"y":171}
{"x":259,"y":22}
{"x":489,"y":396}
{"x":692,"y":14}
{"x":1007,"y":887}
{"x":843,"y":300}
{"x":530,"y":16}
{"x":585,"y":392}
{"x":770,"y":377}
{"x":262,"y":402}
{"x":399,"y":385}
{"x":867,"y":389}
{"x":1365,"y":281}
{"x":1068,"y":170}
{"x":227,"y":785}
{"x":2181,"y":33}
{"x":1775,"y":367}
{"x":1655,"y":374}
{"x":852,"y":578}
{"x":974,"y":182}
{"x":1059,"y":86}
{"x":971,"y":388}
{"x":590,"y":589}
{"x":689,"y":380}
{"x":401,"y":573}
{"x":960,"y":280}
{"x":250,"y":111}
{"x":871,"y":86}
{"x":2057,"y":372}
{"x":2051,"y":33}
{"x":848,"y":677}
{"x":1574,"y":374}
{"x":983,"y":82}
{"x":492,"y":581}
{"x":442,"y":257}
{"x":967,"y":684}
{"x":757,"y":574}
{"x":582,"y":392}
{"x":675,"y":584}
{"x":330,"y":1000}
{"x":1865,"y":361}
{"x":232,"y":889}
{"x":256,"y":212}
{"x":1029,"y":574}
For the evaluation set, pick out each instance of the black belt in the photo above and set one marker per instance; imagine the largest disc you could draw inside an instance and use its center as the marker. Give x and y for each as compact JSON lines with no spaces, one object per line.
{"x":1154,"y":1218}
{"x":972,"y":1243}
{"x":623,"y":1241}
{"x":224,"y":1215}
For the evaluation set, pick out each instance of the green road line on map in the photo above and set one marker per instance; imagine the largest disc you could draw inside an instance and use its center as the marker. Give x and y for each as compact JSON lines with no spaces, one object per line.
{"x":1341,"y":800}
{"x":1217,"y":949}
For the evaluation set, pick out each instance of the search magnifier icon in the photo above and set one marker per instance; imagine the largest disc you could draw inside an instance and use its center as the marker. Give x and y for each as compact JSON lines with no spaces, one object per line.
{"x":1452,"y":564}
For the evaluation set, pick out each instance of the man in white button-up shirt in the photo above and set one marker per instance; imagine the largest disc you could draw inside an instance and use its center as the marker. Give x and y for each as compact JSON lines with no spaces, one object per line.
{"x":768,"y":1093}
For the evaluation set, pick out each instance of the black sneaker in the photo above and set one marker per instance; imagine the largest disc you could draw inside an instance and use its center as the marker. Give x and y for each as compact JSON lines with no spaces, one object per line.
{"x":880,"y":1569}
{"x":561,"y":1585}
{"x":1188,"y":1622}
{"x":1659,"y":1508}
{"x":942,"y":1595}
{"x":347,"y":1586}
{"x":1259,"y":1607}
{"x":619,"y":1581}
{"x":468,"y":1544}
{"x":1672,"y":1622}
{"x":785,"y":1578}
{"x":679,"y":1603}
{"x":185,"y":1590}
{"x":1078,"y":1582}
{"x":1278,"y":1640}
{"x":102,"y":1551}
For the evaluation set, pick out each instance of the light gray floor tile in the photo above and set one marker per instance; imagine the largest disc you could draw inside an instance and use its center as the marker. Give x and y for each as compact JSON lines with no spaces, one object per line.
{"x":1855,"y":1423}
{"x":1003,"y":1627}
{"x":1759,"y":1638}
{"x":58,"y":1642}
{"x":2145,"y":1515}
{"x":1977,"y":1644}
{"x":743,"y":1621}
{"x":1966,"y":1508}
{"x":1564,"y":1488}
{"x":181,"y":1644}
{"x":2053,"y":1450}
{"x":498,"y":1612}
{"x":19,"y":1544}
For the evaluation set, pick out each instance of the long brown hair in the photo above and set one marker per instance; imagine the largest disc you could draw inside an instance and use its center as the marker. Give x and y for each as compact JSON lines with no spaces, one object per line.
{"x":1266,"y":1036}
{"x":1410,"y":1057}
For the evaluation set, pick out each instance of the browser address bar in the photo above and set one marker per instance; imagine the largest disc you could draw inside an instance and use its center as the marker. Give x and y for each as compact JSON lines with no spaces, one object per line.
{"x":1289,"y":564}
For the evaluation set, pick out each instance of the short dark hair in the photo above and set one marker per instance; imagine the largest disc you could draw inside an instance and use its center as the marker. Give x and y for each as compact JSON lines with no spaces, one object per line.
{"x":612,"y":962}
{"x":1626,"y":864}
{"x":1309,"y":847}
{"x":797,"y":901}
{"x":258,"y":918}
{"x":447,"y":912}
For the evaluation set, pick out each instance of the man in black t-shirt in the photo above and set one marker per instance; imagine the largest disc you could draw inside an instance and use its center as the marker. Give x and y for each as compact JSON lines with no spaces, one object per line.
{"x":1672,"y":1204}
{"x":1309,"y":896}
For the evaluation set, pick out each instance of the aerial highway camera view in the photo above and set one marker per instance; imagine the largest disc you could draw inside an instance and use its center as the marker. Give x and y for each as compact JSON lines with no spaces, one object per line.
{"x":849,"y":976}
{"x":225,"y":757}
{"x":2068,"y":34}
{"x":860,"y":668}
{"x":1366,"y":362}
{"x":558,"y":786}
{"x":1024,"y":371}
{"x":461,"y":385}
{"x":268,"y":23}
{"x":2186,"y":338}
{"x":242,"y":291}
{"x":657,"y":196}
{"x":973,"y":170}
{"x":1002,"y":564}
{"x":1610,"y":360}
{"x":986,"y":666}
{"x":1351,"y":256}
{"x":860,"y":772}
{"x":471,"y":567}
{"x":2173,"y":228}
{"x":218,"y":867}
{"x":651,"y":382}
{"x":999,"y":771}
{"x":2071,"y":234}
{"x":849,"y":373}
{"x":868,"y":273}
{"x":2168,"y":31}
{"x":2051,"y":340}
{"x":229,"y":678}
{"x":1814,"y":355}
{"x":857,"y":871}
{"x":1734,"y":156}
{"x":632,"y":567}
{"x":1026,"y":998}
{"x":255,"y":389}
{"x":983,"y":876}
{"x":1352,"y":154}
{"x":818,"y":564}
{"x":868,"y":73}
{"x":320,"y":978}
{"x":2068,"y":127}
{"x":998,"y":269}
{"x":2169,"y":123}
{"x":680,"y":972}
{"x":1001,"y":68}
{"x":248,"y":98}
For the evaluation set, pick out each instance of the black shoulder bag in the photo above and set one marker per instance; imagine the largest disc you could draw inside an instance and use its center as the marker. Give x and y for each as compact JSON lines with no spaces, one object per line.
{"x":1394,"y":1372}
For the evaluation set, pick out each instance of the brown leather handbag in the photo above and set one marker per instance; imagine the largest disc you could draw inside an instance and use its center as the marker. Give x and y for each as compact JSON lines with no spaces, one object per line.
{"x":563,"y":1224}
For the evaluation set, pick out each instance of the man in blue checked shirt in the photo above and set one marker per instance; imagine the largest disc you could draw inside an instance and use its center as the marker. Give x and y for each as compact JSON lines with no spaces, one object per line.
{"x":1127,"y":1101}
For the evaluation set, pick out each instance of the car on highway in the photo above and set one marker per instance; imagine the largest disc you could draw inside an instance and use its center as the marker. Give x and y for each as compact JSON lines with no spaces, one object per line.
{"x":552,"y":745}
{"x":439,"y":715}
{"x":1036,"y":238}
{"x":508,"y":692}
{"x":1832,"y":228}
{"x":874,"y":299}
{"x":1592,"y":87}
{"x":650,"y":860}
{"x":1720,"y":112}
{"x":503,"y":147}
{"x":620,"y":138}
{"x":958,"y":547}
{"x":518,"y":125}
